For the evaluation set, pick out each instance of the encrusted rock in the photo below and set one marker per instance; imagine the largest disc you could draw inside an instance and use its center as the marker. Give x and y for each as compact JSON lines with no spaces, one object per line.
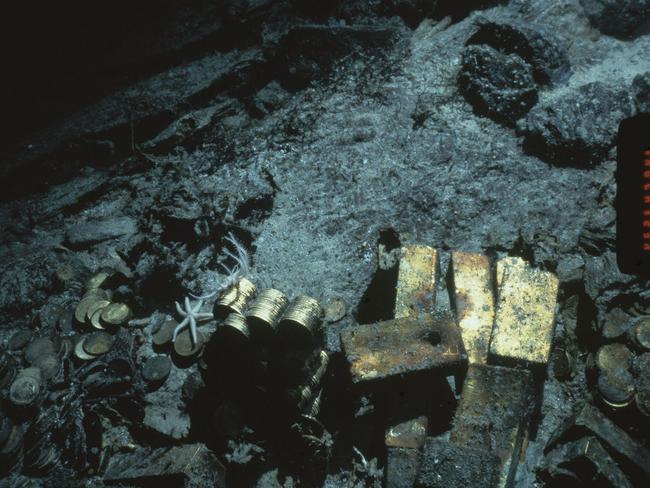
{"x":578,"y":127}
{"x":641,"y":91}
{"x":616,"y":17}
{"x":543,"y":50}
{"x":500,"y":86}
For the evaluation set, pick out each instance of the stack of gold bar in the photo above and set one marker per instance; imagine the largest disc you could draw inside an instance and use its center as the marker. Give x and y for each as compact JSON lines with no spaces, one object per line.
{"x":496,"y":402}
{"x":506,"y":321}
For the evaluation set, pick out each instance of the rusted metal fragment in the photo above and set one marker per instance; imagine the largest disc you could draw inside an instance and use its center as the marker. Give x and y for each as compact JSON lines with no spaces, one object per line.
{"x":416,"y":281}
{"x":403,"y":347}
{"x":525,"y":312}
{"x":569,"y":459}
{"x":446,"y":465}
{"x":473,"y":296}
{"x":493,"y":414}
{"x":402,"y":467}
{"x":187,"y":466}
{"x":592,"y":420}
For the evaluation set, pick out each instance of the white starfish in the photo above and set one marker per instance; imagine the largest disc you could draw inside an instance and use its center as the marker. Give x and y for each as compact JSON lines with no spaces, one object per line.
{"x":191,"y":316}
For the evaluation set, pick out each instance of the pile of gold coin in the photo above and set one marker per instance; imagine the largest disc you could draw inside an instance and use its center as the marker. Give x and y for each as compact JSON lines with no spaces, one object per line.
{"x":97,"y":308}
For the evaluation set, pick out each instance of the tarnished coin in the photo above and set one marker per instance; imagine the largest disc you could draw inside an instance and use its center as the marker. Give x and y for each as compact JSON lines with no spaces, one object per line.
{"x":19,"y":339}
{"x":79,"y":351}
{"x":616,"y":323}
{"x":164,"y":334}
{"x":49,"y":364}
{"x":641,"y":334}
{"x":98,"y":293}
{"x":8,"y":372}
{"x":39,"y":347}
{"x":156,"y":369}
{"x":14,"y":442}
{"x":98,"y":343}
{"x":96,"y":319}
{"x":67,"y":347}
{"x":613,"y":356}
{"x":25,"y":390}
{"x":616,"y":388}
{"x":81,"y":312}
{"x":116,"y":314}
{"x":94,"y":308}
{"x":184,"y":345}
{"x":47,"y":460}
{"x":66,"y":320}
{"x":335,"y":310}
{"x":97,"y":280}
{"x":5,"y":428}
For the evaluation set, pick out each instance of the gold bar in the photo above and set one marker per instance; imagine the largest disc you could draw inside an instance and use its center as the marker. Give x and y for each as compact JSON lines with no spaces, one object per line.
{"x":416,"y":281}
{"x":493,"y":415}
{"x":525,"y":312}
{"x":474,"y":303}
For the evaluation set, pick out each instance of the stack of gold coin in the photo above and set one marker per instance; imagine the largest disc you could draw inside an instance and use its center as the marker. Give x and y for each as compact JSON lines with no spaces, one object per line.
{"x":300,"y":322}
{"x":235,"y":299}
{"x":265,"y":311}
{"x":237,"y":325}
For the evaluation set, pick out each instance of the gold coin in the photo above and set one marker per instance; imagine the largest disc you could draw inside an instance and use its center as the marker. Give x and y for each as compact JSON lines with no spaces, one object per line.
{"x":40,"y":347}
{"x":49,"y":365}
{"x":98,"y":293}
{"x":165,"y":333}
{"x":98,"y":305}
{"x":335,"y":310}
{"x":96,"y":319}
{"x":116,"y":314}
{"x":184,"y":345}
{"x":79,"y":351}
{"x":81,"y":311}
{"x":98,"y":343}
{"x":25,"y":389}
{"x":96,"y":281}
{"x":19,"y":339}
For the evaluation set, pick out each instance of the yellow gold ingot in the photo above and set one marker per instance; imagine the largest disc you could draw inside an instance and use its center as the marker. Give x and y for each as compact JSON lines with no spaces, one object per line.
{"x":235,"y":298}
{"x":474,"y":303}
{"x":416,"y":282}
{"x":525,"y":312}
